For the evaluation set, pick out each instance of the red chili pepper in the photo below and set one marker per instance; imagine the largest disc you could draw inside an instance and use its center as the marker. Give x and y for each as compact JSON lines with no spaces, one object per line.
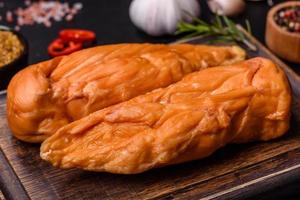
{"x":60,"y":47}
{"x":77,"y":35}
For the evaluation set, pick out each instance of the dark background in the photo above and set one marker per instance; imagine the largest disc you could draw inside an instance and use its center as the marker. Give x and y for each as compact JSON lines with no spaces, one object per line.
{"x":110,"y":20}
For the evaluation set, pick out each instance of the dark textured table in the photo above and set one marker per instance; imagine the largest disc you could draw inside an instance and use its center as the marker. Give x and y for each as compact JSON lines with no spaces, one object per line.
{"x":110,"y":20}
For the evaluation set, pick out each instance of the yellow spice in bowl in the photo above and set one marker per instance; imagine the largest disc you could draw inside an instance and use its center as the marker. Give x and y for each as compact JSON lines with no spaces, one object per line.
{"x":10,"y":47}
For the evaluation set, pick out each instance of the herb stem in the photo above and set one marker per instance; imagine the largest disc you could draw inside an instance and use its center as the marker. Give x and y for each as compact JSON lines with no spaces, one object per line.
{"x":251,"y":46}
{"x":222,"y":28}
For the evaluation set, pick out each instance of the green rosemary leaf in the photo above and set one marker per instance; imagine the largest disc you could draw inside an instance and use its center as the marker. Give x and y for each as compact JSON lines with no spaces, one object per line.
{"x":202,"y":29}
{"x":218,"y":21}
{"x":199,"y":21}
{"x":190,"y":35}
{"x":232,"y":27}
{"x":220,"y":41}
{"x":248,"y":26}
{"x":225,"y":38}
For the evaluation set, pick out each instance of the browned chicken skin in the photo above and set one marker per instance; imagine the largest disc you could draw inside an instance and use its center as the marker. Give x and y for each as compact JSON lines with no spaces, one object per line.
{"x":186,"y":121}
{"x":46,"y":96}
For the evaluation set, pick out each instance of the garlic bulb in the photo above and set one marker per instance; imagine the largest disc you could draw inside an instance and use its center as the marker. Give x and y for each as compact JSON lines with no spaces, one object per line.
{"x":226,"y":7}
{"x":159,"y":17}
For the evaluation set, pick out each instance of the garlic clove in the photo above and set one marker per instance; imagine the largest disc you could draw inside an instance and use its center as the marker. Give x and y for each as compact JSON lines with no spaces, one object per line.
{"x":153,"y":17}
{"x":169,"y":17}
{"x":157,"y":17}
{"x":226,"y":7}
{"x":138,"y":16}
{"x":189,"y":8}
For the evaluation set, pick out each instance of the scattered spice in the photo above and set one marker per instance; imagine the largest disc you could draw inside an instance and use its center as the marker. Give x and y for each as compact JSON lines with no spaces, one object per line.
{"x":42,"y":12}
{"x":9,"y":17}
{"x":289,"y":18}
{"x":10,"y":47}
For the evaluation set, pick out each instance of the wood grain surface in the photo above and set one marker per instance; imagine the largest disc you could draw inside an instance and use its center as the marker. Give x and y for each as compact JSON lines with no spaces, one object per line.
{"x":233,"y":172}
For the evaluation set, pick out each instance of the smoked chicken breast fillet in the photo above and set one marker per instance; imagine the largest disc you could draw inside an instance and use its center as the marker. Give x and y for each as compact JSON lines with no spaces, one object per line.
{"x":188,"y":120}
{"x":46,"y":96}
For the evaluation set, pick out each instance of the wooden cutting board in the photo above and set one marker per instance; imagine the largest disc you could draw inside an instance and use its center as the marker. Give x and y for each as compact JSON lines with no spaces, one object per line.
{"x":233,"y":172}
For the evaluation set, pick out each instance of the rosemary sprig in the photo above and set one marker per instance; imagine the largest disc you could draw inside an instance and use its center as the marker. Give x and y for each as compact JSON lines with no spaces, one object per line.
{"x":224,"y":29}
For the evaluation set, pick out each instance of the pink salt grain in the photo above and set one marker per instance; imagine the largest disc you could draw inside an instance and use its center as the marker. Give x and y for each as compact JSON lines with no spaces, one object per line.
{"x":17,"y":28}
{"x":43,"y":12}
{"x":27,"y":2}
{"x":9,"y":17}
{"x":69,"y":17}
